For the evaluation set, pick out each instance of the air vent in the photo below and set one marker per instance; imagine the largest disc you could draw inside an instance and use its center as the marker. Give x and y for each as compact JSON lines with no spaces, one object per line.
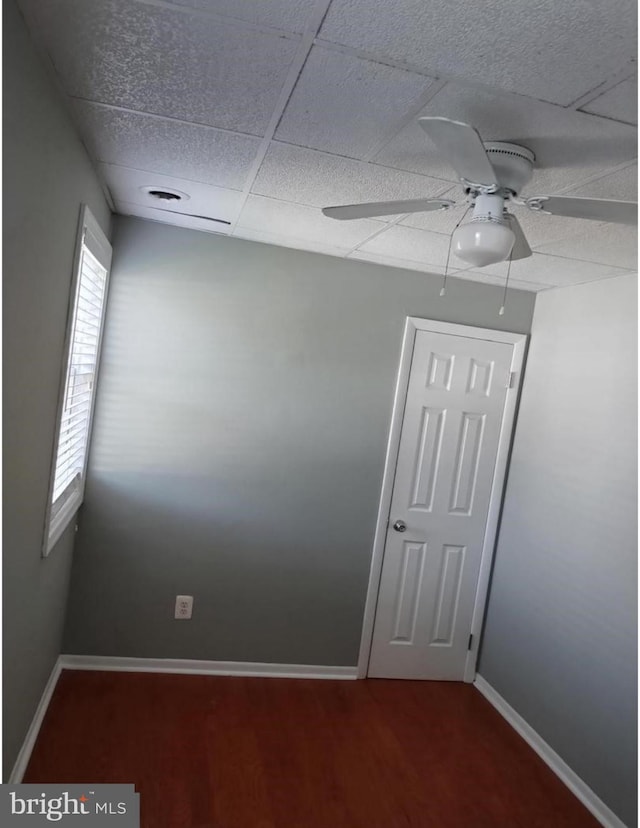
{"x":165,"y":195}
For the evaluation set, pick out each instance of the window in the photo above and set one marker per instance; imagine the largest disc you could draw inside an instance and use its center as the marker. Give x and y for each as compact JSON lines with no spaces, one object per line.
{"x":89,"y":290}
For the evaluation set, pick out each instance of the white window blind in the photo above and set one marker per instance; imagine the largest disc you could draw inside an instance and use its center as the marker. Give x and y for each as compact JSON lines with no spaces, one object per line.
{"x":84,"y":336}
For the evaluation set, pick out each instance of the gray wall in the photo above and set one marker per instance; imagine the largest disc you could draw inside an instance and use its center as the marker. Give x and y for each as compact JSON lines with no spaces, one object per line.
{"x":560,"y":635}
{"x":47,"y":174}
{"x":239,"y":441}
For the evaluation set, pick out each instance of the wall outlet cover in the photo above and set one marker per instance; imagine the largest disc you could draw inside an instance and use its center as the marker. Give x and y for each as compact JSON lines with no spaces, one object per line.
{"x":184,"y":606}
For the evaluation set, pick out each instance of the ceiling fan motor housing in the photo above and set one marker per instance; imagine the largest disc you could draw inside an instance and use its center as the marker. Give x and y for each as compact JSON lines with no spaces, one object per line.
{"x":512,"y":163}
{"x":489,"y":207}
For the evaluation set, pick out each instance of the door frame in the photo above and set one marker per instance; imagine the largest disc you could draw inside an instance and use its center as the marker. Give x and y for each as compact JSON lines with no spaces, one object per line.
{"x":412,"y":326}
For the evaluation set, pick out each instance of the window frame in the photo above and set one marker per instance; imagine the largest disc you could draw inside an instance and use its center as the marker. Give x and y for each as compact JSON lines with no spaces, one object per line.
{"x":90,"y":235}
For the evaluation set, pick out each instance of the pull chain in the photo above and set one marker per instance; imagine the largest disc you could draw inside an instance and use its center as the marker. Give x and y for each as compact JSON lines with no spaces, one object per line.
{"x":446,"y":267}
{"x":506,"y":285}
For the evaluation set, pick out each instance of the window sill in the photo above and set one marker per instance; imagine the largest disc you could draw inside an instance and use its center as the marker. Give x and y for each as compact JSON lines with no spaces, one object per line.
{"x":61,"y":521}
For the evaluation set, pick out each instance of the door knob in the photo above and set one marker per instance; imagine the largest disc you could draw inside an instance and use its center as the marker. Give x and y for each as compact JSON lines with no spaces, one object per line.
{"x":400,"y":526}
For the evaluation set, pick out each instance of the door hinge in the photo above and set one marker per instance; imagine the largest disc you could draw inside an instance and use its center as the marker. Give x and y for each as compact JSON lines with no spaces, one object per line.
{"x":470,"y":642}
{"x":512,"y":380}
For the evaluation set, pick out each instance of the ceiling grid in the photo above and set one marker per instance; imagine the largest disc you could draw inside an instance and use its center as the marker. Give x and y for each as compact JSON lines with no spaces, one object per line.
{"x":263,"y":111}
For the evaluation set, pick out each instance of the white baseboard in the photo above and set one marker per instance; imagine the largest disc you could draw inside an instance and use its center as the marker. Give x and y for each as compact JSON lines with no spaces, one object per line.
{"x":205,"y":668}
{"x":32,"y":734}
{"x":589,"y":799}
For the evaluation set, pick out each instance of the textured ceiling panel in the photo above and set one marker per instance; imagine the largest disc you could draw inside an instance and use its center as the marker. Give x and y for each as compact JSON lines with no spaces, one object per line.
{"x":484,"y":278}
{"x":569,"y":146}
{"x":413,"y":245}
{"x":622,"y":185}
{"x":607,"y":244}
{"x":165,"y":146}
{"x":314,"y":178}
{"x":282,"y":218}
{"x":287,"y":241}
{"x":554,"y":50}
{"x":499,"y":281}
{"x":347,"y":105}
{"x":540,"y":229}
{"x":620,"y":102}
{"x":290,"y":15}
{"x":124,"y":208}
{"x":179,"y":94}
{"x":200,"y":199}
{"x":542,"y":269}
{"x":393,"y":261}
{"x":163,"y":61}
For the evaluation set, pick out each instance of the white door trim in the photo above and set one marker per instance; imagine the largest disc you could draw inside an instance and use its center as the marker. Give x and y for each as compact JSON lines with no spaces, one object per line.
{"x":412,"y":326}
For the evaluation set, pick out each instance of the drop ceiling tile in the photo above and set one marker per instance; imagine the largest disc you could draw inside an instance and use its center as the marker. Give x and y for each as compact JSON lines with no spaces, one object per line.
{"x":554,"y":50}
{"x":543,"y":229}
{"x":290,"y":15}
{"x":413,"y":245}
{"x":304,"y":223}
{"x":607,"y":244}
{"x":287,"y":241}
{"x":412,"y":151}
{"x":347,"y":105}
{"x":130,"y":186}
{"x":569,"y":146}
{"x":485,"y":278}
{"x":124,"y":208}
{"x":620,"y":102}
{"x":622,"y":185}
{"x":395,"y":261}
{"x":165,"y":61}
{"x":389,"y":261}
{"x":314,"y":178}
{"x":530,"y":286}
{"x":542,"y":269}
{"x":161,"y":145}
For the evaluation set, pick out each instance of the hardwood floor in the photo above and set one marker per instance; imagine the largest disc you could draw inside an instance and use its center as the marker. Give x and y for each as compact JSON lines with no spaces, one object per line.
{"x":217,"y":752}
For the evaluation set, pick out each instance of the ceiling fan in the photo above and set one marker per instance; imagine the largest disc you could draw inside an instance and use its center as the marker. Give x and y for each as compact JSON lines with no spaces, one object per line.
{"x":492,"y":175}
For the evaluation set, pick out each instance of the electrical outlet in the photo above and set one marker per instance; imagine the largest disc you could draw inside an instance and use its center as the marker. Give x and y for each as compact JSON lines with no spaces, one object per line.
{"x":184,"y":606}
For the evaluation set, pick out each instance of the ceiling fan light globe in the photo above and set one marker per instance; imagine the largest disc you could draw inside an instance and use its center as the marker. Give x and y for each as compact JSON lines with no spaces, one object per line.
{"x":483,"y":243}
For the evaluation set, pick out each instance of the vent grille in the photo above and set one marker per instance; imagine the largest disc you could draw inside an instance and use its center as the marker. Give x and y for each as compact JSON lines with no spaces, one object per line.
{"x":507,"y":152}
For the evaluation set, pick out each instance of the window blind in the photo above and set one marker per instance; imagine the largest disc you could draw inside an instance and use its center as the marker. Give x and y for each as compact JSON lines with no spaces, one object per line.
{"x":84,"y":335}
{"x":83,"y":358}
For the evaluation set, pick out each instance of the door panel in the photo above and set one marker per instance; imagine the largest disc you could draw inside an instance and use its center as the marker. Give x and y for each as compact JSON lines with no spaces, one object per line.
{"x":406,"y":602}
{"x":444,"y":473}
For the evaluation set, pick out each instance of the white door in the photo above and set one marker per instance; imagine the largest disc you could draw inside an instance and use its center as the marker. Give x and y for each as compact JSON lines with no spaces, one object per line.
{"x":439,"y":505}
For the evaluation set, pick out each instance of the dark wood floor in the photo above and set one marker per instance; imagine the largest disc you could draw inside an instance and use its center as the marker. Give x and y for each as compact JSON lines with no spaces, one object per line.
{"x":215,"y":752}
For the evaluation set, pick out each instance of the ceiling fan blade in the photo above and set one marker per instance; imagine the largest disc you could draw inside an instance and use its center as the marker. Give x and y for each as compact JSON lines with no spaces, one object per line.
{"x":462,"y":146}
{"x":386,"y":208}
{"x":596,"y":209}
{"x":521,"y":249}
